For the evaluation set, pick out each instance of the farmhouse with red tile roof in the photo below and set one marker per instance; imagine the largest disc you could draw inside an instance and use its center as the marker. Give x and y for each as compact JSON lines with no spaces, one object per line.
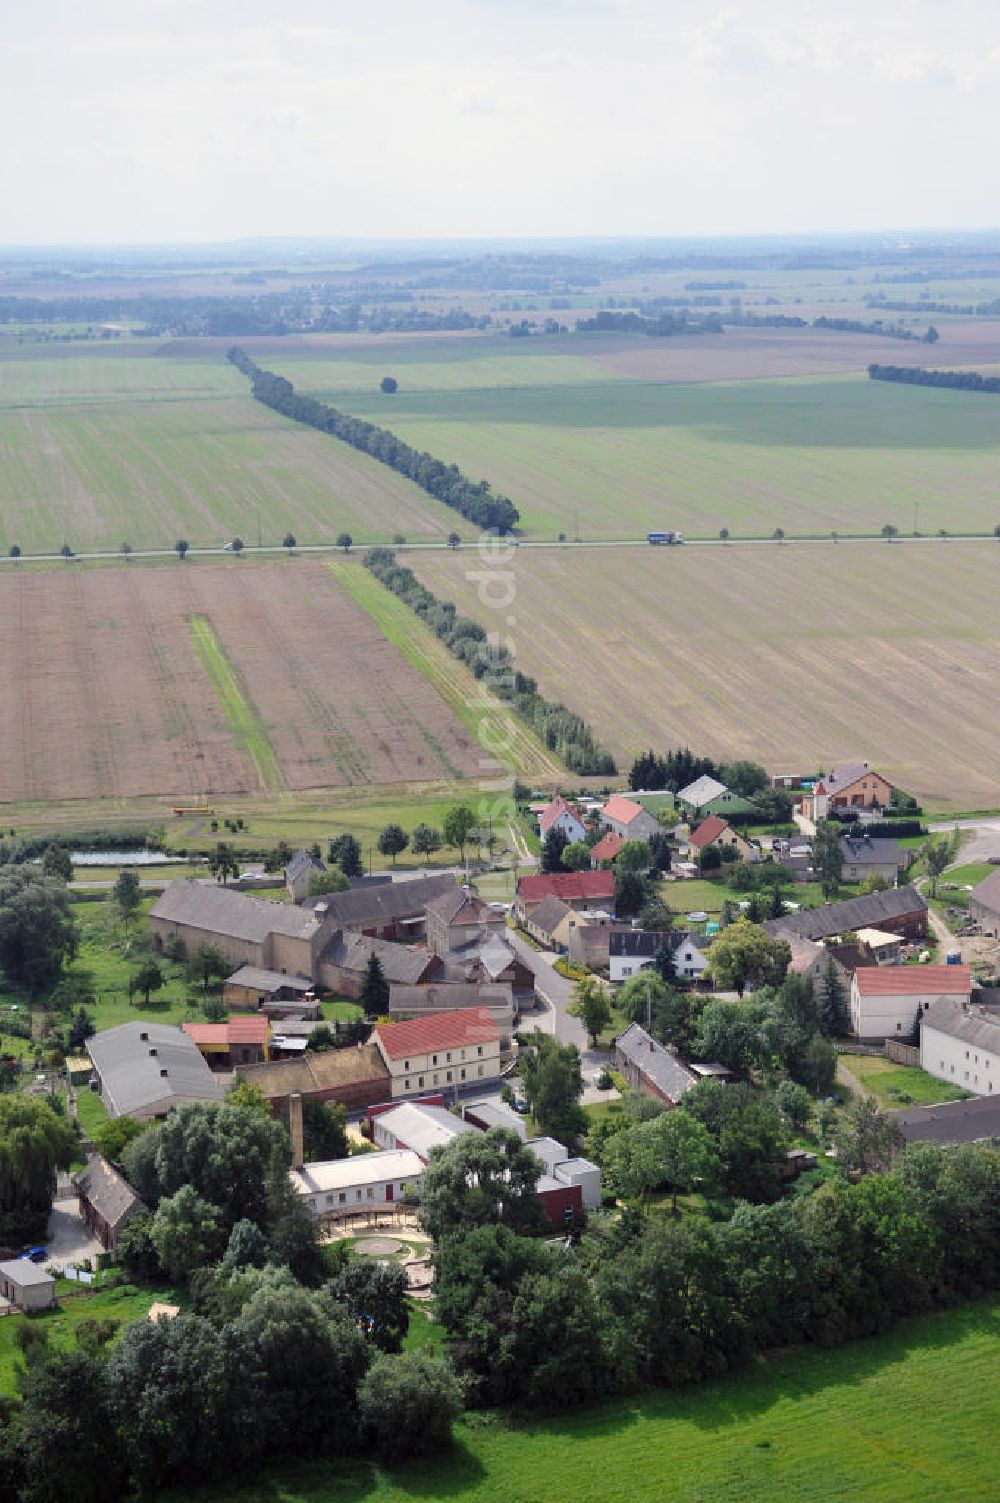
{"x":885,"y":999}
{"x":445,"y":1049}
{"x":605,"y":850}
{"x":584,"y":892}
{"x":716,"y":831}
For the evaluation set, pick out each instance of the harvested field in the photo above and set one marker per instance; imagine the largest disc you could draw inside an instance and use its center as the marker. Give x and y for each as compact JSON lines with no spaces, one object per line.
{"x":795,"y":656}
{"x":108,"y":697}
{"x":617,"y":456}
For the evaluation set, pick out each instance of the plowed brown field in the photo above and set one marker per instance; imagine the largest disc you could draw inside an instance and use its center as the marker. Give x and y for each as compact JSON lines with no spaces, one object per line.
{"x":104,"y":695}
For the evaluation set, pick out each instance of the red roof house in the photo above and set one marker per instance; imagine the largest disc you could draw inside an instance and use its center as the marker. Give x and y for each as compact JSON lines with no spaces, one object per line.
{"x":243,"y":1040}
{"x":441,"y":1050}
{"x":628,"y":819}
{"x":606,"y":849}
{"x":582,"y":891}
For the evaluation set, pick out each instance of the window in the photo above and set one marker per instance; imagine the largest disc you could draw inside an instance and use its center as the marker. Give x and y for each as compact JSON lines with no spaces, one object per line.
{"x":329,"y":1200}
{"x":420,"y":1081}
{"x":449,"y":1075}
{"x":342,"y":1198}
{"x":479,"y":1069}
{"x":407,"y":1085}
{"x":434,"y":1059}
{"x":462,"y":1055}
{"x":371,"y":1192}
{"x":479,"y":1050}
{"x":447,"y":1059}
{"x":358,"y":1194}
{"x":899,"y":1026}
{"x":461,"y":1074}
{"x":966,"y":1053}
{"x":435,"y":1079}
{"x":406,"y":1064}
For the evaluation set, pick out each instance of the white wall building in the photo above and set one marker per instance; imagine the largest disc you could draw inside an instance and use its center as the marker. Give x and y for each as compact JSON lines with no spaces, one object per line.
{"x":362,"y":1182}
{"x":885,"y":999}
{"x":961,"y":1045}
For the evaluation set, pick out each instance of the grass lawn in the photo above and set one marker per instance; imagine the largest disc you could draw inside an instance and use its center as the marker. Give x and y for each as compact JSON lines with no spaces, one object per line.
{"x":899,"y":1085}
{"x":863,"y":1421}
{"x":342,"y":1009}
{"x":424,"y":1334}
{"x":113,"y":1304}
{"x":90,"y":1110}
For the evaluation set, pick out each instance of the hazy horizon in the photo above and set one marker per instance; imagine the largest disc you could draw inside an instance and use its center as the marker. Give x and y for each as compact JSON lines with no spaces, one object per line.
{"x":186,"y":121}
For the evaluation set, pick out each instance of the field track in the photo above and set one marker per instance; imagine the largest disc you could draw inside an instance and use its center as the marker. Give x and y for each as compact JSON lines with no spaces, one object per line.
{"x":798,"y":657}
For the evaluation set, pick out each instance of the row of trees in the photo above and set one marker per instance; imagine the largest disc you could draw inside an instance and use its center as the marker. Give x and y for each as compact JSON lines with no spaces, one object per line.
{"x":669,"y":1301}
{"x":446,"y":483}
{"x":916,"y":375}
{"x":563,"y":731}
{"x":660,"y":326}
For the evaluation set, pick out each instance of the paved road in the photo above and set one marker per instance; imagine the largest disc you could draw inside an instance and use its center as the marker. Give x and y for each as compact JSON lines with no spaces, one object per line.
{"x":555,"y":994}
{"x":264,"y":550}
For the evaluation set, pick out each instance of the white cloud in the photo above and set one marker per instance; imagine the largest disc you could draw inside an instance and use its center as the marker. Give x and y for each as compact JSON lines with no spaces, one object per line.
{"x":156,"y":120}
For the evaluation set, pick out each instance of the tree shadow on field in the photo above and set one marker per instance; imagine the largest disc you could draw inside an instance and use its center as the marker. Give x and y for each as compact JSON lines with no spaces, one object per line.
{"x":801,"y":414}
{"x":450,"y":1474}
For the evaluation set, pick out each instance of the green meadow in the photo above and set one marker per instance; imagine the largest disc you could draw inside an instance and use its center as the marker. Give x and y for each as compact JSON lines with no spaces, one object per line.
{"x":580,"y":448}
{"x":904,"y":1418}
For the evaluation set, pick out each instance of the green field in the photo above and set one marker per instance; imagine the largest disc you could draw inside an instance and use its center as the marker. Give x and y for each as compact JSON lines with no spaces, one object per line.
{"x":582,"y":448}
{"x":146,"y":447}
{"x":249,"y":731}
{"x":905,"y":1418}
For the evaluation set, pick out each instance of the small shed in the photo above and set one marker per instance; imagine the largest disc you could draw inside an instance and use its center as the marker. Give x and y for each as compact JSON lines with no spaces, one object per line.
{"x":27,"y":1286}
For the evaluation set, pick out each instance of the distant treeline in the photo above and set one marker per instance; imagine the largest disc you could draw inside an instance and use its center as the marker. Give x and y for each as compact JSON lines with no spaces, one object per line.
{"x":740,"y":319}
{"x":916,"y":375}
{"x":979,"y":310}
{"x":661,"y":327}
{"x":445,"y":482}
{"x":562,"y":731}
{"x":714,"y":286}
{"x":289,"y":311}
{"x":888,"y":331}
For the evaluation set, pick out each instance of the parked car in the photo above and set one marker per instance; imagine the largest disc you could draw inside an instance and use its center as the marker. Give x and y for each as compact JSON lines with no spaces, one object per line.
{"x":35,"y":1255}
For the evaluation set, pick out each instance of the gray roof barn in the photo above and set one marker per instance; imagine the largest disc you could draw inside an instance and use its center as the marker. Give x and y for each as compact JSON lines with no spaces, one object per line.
{"x":268,"y":981}
{"x":971,"y":1026}
{"x":549,"y":914}
{"x":868,"y":912}
{"x":987,"y":892}
{"x":651,"y":1059}
{"x":146,"y":1069}
{"x":951,"y":1121}
{"x":303,"y":862}
{"x":460,"y":905}
{"x":866,"y":850}
{"x":384,"y":903}
{"x":221,"y":910}
{"x":402,"y":963}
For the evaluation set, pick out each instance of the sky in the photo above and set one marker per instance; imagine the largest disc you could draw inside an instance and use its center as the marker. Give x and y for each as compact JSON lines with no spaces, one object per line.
{"x":131,"y":121}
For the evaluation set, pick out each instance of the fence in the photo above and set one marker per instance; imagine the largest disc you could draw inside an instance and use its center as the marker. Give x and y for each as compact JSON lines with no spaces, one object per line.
{"x":903,"y":1054}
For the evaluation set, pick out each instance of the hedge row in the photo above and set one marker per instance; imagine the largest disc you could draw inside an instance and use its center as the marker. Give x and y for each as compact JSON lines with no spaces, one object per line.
{"x":445,"y":482}
{"x":563,"y":731}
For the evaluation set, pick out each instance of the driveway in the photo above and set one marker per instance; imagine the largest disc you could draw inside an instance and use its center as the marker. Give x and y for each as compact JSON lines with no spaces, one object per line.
{"x":985,"y":841}
{"x":69,"y":1240}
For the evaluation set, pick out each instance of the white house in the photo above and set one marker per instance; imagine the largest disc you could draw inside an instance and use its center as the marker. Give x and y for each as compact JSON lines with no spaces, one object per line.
{"x":446,"y":1049}
{"x":961,"y":1044}
{"x":559,"y":815}
{"x":362,"y":1182}
{"x":885,"y":999}
{"x":629,"y":819}
{"x":26,"y":1286}
{"x":632,"y":950}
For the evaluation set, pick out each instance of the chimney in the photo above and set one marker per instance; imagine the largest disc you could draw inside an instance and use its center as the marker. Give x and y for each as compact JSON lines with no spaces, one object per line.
{"x":295,"y":1128}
